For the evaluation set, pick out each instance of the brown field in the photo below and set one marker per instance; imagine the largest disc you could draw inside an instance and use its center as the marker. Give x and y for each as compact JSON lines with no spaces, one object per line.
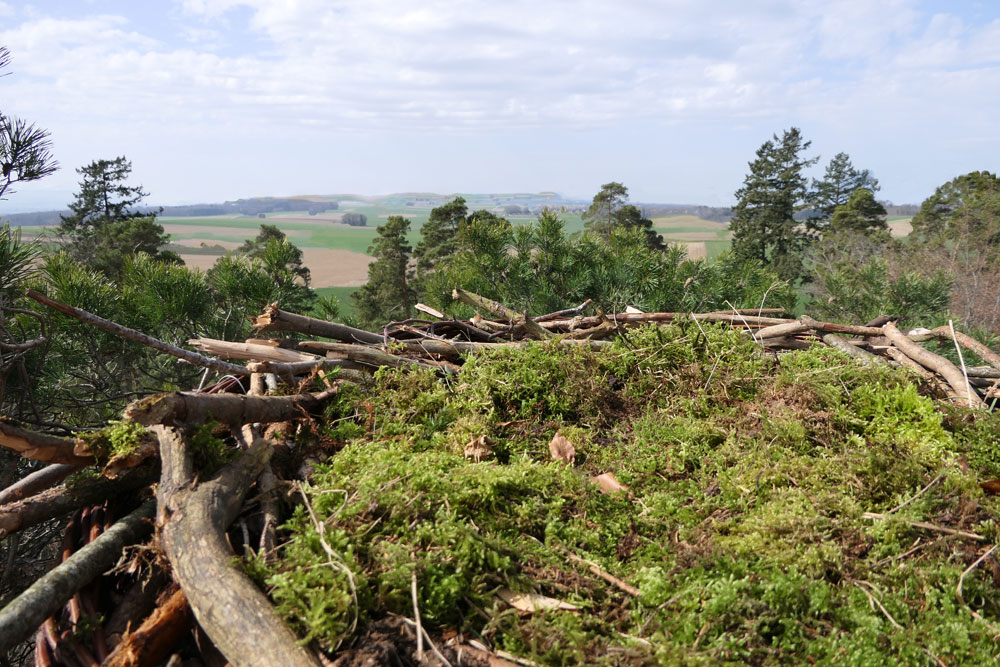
{"x":696,"y":250}
{"x":193,"y":230}
{"x":327,"y":267}
{"x":900,"y":228}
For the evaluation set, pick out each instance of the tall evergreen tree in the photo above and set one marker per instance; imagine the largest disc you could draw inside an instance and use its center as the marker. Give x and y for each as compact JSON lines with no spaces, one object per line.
{"x":763,"y":225}
{"x":610,"y":209}
{"x":389,"y":292}
{"x":105,"y":227}
{"x":839,"y":182}
{"x":860,"y":213}
{"x":440,"y":235}
{"x":966,"y":207}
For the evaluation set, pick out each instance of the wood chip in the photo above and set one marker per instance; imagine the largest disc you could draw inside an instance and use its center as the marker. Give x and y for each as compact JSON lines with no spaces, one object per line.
{"x":532,"y":602}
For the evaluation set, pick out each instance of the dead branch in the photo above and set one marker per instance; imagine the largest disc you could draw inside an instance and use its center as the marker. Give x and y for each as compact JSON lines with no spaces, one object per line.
{"x":156,"y":637}
{"x":368,"y":355}
{"x":230,"y":350}
{"x":37,"y":481}
{"x":780,"y":330}
{"x":274,"y":319}
{"x":842,"y":344}
{"x":500,"y":310}
{"x":234,"y":613}
{"x":970,"y":343}
{"x":20,"y":618}
{"x":216,"y":365}
{"x":952,"y":375}
{"x":185,"y":407}
{"x":42,"y":447}
{"x":62,"y":499}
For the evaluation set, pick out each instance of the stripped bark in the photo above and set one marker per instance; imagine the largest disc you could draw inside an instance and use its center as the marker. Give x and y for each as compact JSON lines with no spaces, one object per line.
{"x":42,"y":447}
{"x":131,"y":334}
{"x":780,"y":330}
{"x":368,"y":355}
{"x":184,"y":407}
{"x":38,"y":481}
{"x":256,"y":352}
{"x":193,"y":518}
{"x":500,"y":310}
{"x":274,"y":319}
{"x":20,"y":618}
{"x":158,"y":635}
{"x":62,"y":500}
{"x":952,"y":375}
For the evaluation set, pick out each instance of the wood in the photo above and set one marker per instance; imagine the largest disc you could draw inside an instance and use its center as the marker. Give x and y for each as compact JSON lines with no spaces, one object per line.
{"x":423,"y":308}
{"x":62,"y":500}
{"x":232,"y":350}
{"x":274,"y":319}
{"x":193,"y":519}
{"x":158,"y":635}
{"x":186,"y":407}
{"x":216,"y":365}
{"x":42,"y":447}
{"x":842,"y":344}
{"x":952,"y":375}
{"x":369,"y":355}
{"x":40,"y":480}
{"x":20,"y":618}
{"x":780,"y":330}
{"x":833,"y":327}
{"x":970,"y":343}
{"x":500,"y":310}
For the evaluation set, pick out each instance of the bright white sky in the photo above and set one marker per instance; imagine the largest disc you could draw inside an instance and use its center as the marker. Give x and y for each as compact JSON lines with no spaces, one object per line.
{"x":219,"y":99}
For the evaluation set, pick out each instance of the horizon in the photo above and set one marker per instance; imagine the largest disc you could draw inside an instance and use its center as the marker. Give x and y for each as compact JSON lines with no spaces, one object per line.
{"x":217,"y":100}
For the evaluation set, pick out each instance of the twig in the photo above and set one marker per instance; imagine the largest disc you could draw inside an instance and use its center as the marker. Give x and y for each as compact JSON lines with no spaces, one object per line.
{"x":429,"y":641}
{"x":926,"y":526}
{"x":416,"y":615}
{"x":961,"y":582}
{"x":920,"y":493}
{"x":873,"y":602}
{"x":595,"y":569}
{"x":961,"y":360}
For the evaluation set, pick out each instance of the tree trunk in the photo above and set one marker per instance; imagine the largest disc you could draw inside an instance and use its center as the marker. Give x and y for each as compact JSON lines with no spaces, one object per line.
{"x":184,"y":407}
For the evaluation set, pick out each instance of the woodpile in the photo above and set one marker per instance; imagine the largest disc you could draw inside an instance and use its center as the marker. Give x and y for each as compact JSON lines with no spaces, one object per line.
{"x":88,"y":610}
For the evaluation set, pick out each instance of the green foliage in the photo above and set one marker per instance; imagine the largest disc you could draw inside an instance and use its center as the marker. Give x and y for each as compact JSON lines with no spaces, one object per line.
{"x":742,"y":527}
{"x":116,"y":439}
{"x":967,"y":206}
{"x":440,"y":235}
{"x":389,"y":292}
{"x":610,"y":210}
{"x":25,"y":150}
{"x":839,"y":184}
{"x":860,"y":213}
{"x":763,"y":225}
{"x":281,"y":260}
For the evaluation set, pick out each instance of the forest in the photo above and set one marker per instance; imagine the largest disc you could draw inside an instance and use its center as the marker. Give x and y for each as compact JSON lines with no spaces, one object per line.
{"x":522,"y":446}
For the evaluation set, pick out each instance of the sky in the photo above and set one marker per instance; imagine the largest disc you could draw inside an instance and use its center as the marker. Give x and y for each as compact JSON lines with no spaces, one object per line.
{"x":214,"y":100}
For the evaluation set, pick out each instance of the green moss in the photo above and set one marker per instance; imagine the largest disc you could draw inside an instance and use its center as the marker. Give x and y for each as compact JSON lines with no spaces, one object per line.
{"x":118,"y":438}
{"x":743,"y":528}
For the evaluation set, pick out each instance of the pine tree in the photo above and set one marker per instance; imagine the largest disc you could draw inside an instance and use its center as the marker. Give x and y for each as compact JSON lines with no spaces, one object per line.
{"x":763,"y":225}
{"x":839,"y":183}
{"x":389,"y":293}
{"x":861,"y":213}
{"x":440,"y":235}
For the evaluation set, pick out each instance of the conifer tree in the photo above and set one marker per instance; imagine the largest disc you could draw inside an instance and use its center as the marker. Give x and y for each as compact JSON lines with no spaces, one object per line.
{"x":440,"y":235}
{"x":840,"y":181}
{"x":389,"y":293}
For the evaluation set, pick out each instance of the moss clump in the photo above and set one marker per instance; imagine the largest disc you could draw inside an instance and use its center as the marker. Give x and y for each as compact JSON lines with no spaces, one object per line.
{"x":118,"y":438}
{"x":743,"y":527}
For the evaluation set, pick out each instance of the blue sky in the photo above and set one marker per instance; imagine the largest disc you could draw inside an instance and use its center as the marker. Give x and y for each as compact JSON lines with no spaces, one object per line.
{"x":220,"y":99}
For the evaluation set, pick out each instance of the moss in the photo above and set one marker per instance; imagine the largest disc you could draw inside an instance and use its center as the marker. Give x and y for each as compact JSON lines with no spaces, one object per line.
{"x":118,"y":438}
{"x":743,"y":527}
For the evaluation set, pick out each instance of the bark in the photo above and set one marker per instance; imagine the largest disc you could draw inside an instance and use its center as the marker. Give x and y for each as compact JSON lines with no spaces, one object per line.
{"x":38,"y":481}
{"x":42,"y":447}
{"x":970,"y":343}
{"x":423,"y":308}
{"x":833,"y":327}
{"x":193,"y":520}
{"x":563,"y":313}
{"x":637,"y":319}
{"x":20,"y":618}
{"x":779,"y":330}
{"x":63,"y":500}
{"x":216,"y":365}
{"x":863,"y":356}
{"x":253,"y":351}
{"x":368,"y":355}
{"x":952,"y":375}
{"x":156,"y":637}
{"x":185,"y":407}
{"x":456,"y":348}
{"x":274,"y":319}
{"x":500,"y":310}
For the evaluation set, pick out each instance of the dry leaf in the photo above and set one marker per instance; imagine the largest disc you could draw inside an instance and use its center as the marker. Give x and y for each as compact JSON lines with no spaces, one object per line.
{"x":608,"y":483}
{"x":562,"y":449}
{"x":532,"y":602}
{"x":992,"y":487}
{"x":479,"y":448}
{"x":633,"y":309}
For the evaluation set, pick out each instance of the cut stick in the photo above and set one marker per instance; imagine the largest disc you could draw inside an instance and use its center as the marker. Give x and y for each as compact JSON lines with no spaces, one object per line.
{"x":193,"y":518}
{"x":187,"y":407}
{"x":927,"y":526}
{"x":158,"y":635}
{"x":423,"y":308}
{"x":216,"y":365}
{"x":369,"y":355}
{"x":275,"y":319}
{"x":970,"y":343}
{"x":500,"y":310}
{"x":42,"y":447}
{"x":38,"y":481}
{"x":62,"y":500}
{"x":952,"y":375}
{"x":845,"y":346}
{"x":229,"y":350}
{"x":20,"y":618}
{"x":781,"y":330}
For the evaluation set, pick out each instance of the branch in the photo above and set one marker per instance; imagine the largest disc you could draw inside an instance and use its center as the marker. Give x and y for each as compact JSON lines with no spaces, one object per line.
{"x":926,"y":358}
{"x":156,"y":637}
{"x":39,"y":480}
{"x":133,"y":335}
{"x":234,"y":613}
{"x":186,"y":407}
{"x":42,"y":447}
{"x":367,"y":355}
{"x":274,"y":319}
{"x":47,"y":595}
{"x":500,"y":310}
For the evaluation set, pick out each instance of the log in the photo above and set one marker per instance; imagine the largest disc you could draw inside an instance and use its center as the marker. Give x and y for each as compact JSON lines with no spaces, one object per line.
{"x":42,"y":447}
{"x":500,"y":310}
{"x":780,"y":330}
{"x":256,"y":352}
{"x":20,"y":618}
{"x":62,"y":500}
{"x":369,"y":355}
{"x":952,"y":375}
{"x":274,"y":319}
{"x":970,"y":343}
{"x":833,"y":327}
{"x":842,"y":344}
{"x":40,"y":480}
{"x":187,"y":407}
{"x":158,"y":635}
{"x":193,"y":519}
{"x":216,"y":365}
